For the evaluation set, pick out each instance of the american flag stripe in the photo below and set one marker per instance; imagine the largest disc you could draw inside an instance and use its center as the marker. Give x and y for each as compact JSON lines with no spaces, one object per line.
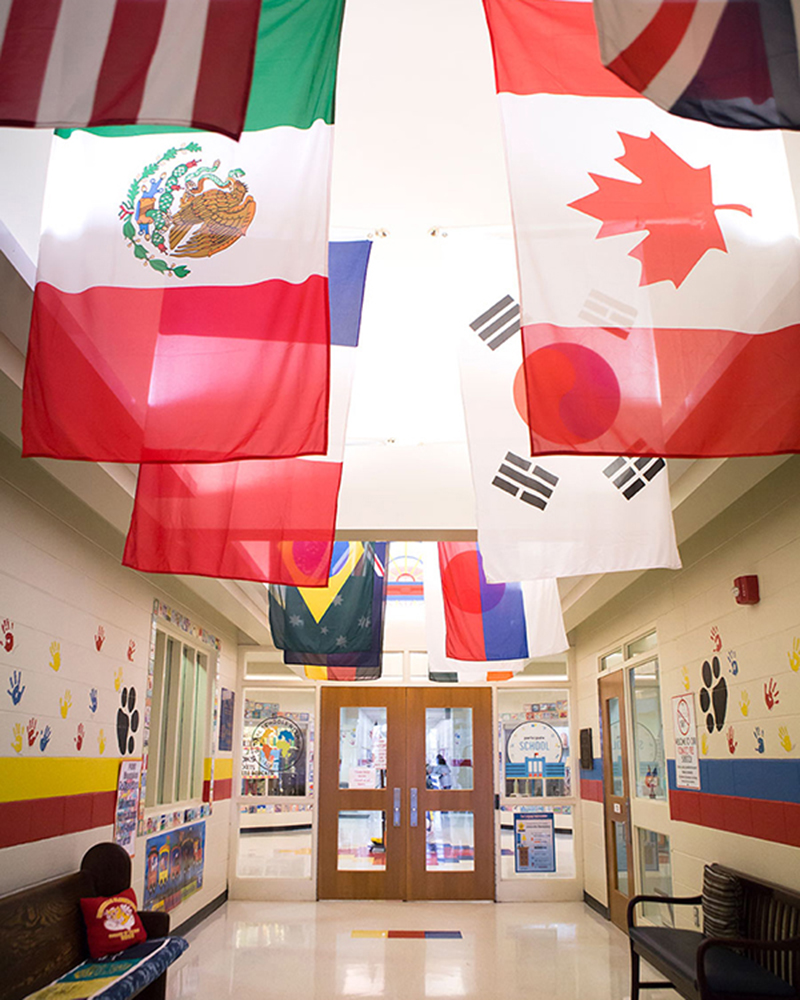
{"x":75,"y":63}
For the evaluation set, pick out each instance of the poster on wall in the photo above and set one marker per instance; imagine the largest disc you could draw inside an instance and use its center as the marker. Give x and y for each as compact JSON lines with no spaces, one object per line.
{"x":687,"y":761}
{"x":127,"y":809}
{"x":226,"y":700}
{"x":534,"y":750}
{"x":174,"y":869}
{"x":534,"y":842}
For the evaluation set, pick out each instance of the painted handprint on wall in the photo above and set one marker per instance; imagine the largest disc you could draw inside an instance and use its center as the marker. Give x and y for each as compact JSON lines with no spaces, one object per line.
{"x":101,"y":741}
{"x":16,"y":743}
{"x":744,"y":703}
{"x":79,"y":736}
{"x":45,"y":738}
{"x":8,"y":635}
{"x":93,"y":700}
{"x":32,"y":731}
{"x":716,"y":639}
{"x":65,"y":703}
{"x":131,"y":650}
{"x":704,"y":744}
{"x":685,"y":679}
{"x":733,"y":663}
{"x":732,"y":744}
{"x":785,"y":739}
{"x":16,"y":688}
{"x":771,"y":693}
{"x":99,"y":638}
{"x":118,"y":679}
{"x":794,"y":655}
{"x":758,"y":733}
{"x":55,"y":655}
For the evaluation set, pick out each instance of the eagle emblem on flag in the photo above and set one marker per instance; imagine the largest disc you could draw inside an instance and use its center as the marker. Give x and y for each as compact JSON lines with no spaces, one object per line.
{"x":188,"y":211}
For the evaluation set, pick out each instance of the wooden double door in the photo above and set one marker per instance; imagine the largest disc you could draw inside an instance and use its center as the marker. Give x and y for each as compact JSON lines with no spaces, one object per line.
{"x":405,"y":794}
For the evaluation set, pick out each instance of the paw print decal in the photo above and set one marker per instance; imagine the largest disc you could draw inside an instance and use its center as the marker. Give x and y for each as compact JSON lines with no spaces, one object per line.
{"x":127,"y":720}
{"x":713,"y":694}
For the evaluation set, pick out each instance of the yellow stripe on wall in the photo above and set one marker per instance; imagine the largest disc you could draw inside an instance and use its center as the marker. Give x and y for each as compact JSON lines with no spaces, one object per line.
{"x":44,"y":777}
{"x":223,"y":768}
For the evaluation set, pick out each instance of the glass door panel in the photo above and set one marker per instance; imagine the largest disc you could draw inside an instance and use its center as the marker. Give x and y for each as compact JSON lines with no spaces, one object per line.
{"x":448,"y":748}
{"x":616,"y":796}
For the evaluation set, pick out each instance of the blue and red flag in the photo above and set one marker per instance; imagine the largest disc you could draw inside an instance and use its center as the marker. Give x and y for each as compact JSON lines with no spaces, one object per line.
{"x":483,"y":621}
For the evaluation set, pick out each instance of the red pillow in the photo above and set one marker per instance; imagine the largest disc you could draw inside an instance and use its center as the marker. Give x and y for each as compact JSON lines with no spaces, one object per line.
{"x":112,"y":923}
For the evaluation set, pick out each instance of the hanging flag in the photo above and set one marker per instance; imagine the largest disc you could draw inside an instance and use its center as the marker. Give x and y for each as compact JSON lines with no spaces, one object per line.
{"x":267,"y":520}
{"x":178,"y":63}
{"x":730,"y":63}
{"x":544,"y":628}
{"x":181,"y":306}
{"x":363,"y":666}
{"x":657,"y":258}
{"x":541,"y":517}
{"x":332,"y":619}
{"x":483,"y":621}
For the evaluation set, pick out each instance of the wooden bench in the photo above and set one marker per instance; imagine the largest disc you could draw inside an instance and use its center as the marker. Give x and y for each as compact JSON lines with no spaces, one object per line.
{"x":761,"y":963}
{"x":43,"y":937}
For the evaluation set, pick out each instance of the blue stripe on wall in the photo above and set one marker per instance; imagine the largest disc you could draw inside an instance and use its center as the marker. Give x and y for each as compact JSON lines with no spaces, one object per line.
{"x":596,"y":774}
{"x":768,"y":779}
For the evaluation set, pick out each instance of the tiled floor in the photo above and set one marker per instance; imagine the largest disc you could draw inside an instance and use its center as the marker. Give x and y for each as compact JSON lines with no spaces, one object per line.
{"x":553,"y":951}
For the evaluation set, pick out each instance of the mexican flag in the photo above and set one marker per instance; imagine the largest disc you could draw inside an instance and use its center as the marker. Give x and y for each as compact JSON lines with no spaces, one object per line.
{"x":657,"y":257}
{"x":181,"y":305}
{"x":269,"y":520}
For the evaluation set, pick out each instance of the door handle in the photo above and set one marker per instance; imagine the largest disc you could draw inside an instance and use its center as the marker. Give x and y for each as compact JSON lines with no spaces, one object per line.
{"x":413,"y":818}
{"x":397,"y":807}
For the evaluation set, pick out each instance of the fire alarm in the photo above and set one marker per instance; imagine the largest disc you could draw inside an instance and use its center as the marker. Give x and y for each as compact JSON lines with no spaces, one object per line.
{"x":745,"y":589}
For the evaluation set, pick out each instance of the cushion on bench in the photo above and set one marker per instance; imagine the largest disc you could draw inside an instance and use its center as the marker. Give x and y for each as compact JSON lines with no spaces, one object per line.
{"x":120,"y":976}
{"x":727,"y":971}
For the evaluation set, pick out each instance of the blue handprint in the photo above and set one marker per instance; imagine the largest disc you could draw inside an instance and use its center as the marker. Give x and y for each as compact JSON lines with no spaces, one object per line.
{"x":758,"y":732}
{"x":45,"y":738}
{"x":15,"y":691}
{"x":93,"y":700}
{"x":734,"y":664}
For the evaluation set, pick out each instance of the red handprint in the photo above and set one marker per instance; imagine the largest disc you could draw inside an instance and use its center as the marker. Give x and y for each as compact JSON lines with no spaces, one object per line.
{"x":8,"y":635}
{"x":771,"y":694}
{"x":32,"y":731}
{"x":80,"y":735}
{"x":131,"y":650}
{"x":100,"y":637}
{"x":716,"y":639}
{"x":732,"y":744}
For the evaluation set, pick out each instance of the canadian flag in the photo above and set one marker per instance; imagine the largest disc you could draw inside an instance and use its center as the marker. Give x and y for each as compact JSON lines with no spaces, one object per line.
{"x":657,"y":258}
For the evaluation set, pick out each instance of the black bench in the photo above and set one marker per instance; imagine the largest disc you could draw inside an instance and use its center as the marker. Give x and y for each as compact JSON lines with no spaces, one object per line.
{"x":43,"y":936}
{"x":759,"y":959}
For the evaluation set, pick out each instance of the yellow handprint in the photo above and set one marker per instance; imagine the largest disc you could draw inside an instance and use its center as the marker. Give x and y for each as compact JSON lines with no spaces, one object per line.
{"x":66,"y":703}
{"x":744,"y":703}
{"x":101,"y":740}
{"x":55,"y":655}
{"x":785,"y":738}
{"x":117,"y":679}
{"x":704,"y":743}
{"x":17,"y":741}
{"x":794,"y":656}
{"x":685,"y":678}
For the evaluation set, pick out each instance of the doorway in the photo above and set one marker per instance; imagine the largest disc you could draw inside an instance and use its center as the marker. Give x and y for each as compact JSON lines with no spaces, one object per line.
{"x":616,"y":795}
{"x":405,"y":794}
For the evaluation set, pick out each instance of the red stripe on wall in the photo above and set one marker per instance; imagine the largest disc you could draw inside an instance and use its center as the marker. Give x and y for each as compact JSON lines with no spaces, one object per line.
{"x":131,"y":43}
{"x":223,"y":789}
{"x":24,"y":57}
{"x":591,"y":790}
{"x":764,"y":819}
{"x":224,"y":84}
{"x":39,"y":819}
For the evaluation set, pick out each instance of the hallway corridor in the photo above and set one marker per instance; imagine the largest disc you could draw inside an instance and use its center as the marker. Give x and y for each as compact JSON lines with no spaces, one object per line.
{"x":514,"y":951}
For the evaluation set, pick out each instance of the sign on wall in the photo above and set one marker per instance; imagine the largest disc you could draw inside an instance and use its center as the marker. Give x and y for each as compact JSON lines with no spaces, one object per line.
{"x":534,"y":750}
{"x":687,"y":761}
{"x":127,"y":809}
{"x":534,"y":842}
{"x":174,"y":867}
{"x":226,"y":703}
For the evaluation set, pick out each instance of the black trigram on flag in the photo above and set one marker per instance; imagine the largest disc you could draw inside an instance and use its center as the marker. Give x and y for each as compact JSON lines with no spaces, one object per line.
{"x":532,"y":485}
{"x":611,"y":314}
{"x":497,"y":324}
{"x":630,"y":475}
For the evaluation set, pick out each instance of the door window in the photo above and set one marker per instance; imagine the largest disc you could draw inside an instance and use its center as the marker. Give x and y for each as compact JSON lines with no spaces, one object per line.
{"x":363,"y":735}
{"x":648,"y":731}
{"x":534,"y":741}
{"x":448,"y":749}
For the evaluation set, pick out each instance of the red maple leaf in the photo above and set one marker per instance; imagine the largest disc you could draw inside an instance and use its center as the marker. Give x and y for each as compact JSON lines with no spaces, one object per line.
{"x":672,"y":202}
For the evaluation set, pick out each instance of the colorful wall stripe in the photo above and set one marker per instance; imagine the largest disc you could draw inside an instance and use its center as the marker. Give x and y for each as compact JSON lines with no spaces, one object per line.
{"x":592,"y":782}
{"x":754,"y":798}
